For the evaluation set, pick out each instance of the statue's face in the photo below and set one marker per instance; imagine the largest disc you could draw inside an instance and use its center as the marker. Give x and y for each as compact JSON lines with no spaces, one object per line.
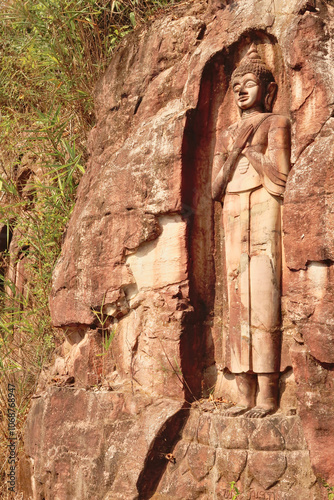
{"x":247,"y":91}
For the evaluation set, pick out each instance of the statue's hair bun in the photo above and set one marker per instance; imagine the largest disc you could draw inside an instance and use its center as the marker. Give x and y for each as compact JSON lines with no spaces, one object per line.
{"x":252,"y":63}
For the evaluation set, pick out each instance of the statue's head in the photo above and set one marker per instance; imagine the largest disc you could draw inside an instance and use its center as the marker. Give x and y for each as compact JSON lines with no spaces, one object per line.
{"x":253,"y":83}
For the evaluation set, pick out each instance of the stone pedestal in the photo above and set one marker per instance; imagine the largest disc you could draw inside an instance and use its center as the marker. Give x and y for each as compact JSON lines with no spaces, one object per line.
{"x":267,"y":459}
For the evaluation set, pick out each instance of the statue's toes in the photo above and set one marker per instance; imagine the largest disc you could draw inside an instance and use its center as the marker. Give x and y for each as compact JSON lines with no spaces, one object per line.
{"x":235,"y":411}
{"x":258,"y":412}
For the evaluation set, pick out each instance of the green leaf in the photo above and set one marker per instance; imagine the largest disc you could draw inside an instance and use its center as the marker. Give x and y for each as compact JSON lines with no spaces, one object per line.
{"x":133,"y":19}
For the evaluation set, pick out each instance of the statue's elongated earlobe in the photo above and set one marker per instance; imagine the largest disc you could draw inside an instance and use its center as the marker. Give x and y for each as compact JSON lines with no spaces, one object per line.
{"x":270,"y":96}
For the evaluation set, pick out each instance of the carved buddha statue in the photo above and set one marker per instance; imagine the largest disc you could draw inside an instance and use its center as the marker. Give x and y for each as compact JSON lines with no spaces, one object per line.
{"x":249,"y":177}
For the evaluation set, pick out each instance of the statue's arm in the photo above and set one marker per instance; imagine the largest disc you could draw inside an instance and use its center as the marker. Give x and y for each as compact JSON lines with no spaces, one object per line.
{"x":224,"y":163}
{"x":275,"y":164}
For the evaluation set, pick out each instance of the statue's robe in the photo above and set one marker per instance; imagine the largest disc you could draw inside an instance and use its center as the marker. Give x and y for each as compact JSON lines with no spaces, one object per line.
{"x":252,"y":202}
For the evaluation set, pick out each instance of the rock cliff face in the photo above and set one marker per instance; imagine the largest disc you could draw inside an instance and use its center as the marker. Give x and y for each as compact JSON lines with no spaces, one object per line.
{"x":141,"y":270}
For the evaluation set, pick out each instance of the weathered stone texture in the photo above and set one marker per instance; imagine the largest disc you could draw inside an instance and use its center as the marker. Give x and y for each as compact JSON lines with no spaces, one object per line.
{"x":236,"y":452}
{"x":142,"y":260}
{"x":93,"y":444}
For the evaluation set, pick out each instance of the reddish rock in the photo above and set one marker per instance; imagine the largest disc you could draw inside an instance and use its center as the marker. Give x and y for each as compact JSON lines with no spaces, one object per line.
{"x":266,"y":466}
{"x":236,"y":435}
{"x":299,"y":466}
{"x":267,"y":437}
{"x":230,"y":464}
{"x":191,"y":429}
{"x":94,"y":434}
{"x":316,"y":399}
{"x":206,"y":433}
{"x":200,"y":460}
{"x":265,"y":473}
{"x":142,"y":261}
{"x":292,"y":432}
{"x":309,"y":293}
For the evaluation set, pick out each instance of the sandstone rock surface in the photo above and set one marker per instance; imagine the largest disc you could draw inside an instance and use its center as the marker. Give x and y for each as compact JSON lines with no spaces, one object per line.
{"x":142,"y":263}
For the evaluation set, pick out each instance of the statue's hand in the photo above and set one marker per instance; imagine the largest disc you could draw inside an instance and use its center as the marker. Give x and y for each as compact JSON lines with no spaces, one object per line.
{"x":243,"y":137}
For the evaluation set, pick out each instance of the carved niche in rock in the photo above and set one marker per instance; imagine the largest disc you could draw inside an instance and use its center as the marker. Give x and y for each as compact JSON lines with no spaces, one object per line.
{"x":250,"y":170}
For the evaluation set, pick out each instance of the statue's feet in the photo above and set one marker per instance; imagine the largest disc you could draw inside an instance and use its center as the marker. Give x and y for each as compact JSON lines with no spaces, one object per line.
{"x":235,"y":411}
{"x":259,"y":412}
